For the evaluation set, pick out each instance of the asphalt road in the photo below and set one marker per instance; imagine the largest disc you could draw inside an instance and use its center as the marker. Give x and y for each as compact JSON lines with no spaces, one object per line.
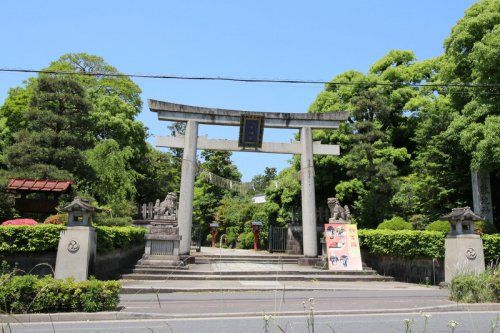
{"x":380,"y":323}
{"x":268,"y":302}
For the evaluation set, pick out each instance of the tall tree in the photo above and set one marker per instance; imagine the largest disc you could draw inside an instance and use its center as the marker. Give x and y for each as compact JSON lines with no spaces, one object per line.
{"x":57,"y":130}
{"x":114,"y":183}
{"x":207,"y":196}
{"x":376,"y":141}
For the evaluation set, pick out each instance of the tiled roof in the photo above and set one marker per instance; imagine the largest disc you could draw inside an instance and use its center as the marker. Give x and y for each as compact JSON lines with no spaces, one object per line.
{"x":41,"y":185}
{"x":462,"y":213}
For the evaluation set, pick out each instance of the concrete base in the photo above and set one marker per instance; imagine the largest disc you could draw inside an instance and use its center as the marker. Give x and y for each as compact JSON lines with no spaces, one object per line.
{"x":463,"y":254}
{"x":76,"y":253}
{"x":156,"y":261}
{"x":309,"y":261}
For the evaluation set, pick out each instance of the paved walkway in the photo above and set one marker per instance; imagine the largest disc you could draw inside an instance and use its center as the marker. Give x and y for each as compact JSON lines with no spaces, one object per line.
{"x":236,"y":252}
{"x":249,"y":267}
{"x":141,"y":286}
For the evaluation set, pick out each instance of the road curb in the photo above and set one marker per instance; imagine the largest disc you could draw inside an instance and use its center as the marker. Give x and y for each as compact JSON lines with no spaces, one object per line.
{"x":123,"y":315}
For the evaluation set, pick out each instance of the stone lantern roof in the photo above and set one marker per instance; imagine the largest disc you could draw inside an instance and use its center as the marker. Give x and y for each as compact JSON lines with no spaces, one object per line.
{"x":461,"y":214}
{"x":461,"y":221}
{"x":80,"y":213}
{"x":79,"y":204}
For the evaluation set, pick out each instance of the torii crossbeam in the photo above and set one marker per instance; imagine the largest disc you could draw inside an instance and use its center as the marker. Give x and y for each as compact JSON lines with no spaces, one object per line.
{"x":190,"y":142}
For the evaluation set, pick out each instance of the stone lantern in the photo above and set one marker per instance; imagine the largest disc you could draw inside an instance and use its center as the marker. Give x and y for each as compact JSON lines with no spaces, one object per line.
{"x":79,"y":213}
{"x":76,"y":252}
{"x":256,"y":227}
{"x":463,"y":248}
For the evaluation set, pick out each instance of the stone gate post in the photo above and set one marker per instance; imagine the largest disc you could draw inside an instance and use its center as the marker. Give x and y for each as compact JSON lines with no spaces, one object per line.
{"x":188,"y":175}
{"x":309,"y":234}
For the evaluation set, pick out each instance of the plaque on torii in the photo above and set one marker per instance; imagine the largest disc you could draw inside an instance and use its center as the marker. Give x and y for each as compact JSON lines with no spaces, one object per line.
{"x":251,"y":129}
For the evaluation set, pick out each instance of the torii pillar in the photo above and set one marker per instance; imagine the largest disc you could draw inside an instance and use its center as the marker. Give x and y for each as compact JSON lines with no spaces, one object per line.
{"x":188,"y":175}
{"x":309,"y":233}
{"x":190,"y":142}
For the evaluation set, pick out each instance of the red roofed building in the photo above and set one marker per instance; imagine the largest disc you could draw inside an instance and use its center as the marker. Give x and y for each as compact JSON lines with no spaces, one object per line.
{"x":43,"y":194}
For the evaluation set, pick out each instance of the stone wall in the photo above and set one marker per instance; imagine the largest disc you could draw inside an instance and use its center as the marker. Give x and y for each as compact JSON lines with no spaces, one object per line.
{"x":108,"y":265}
{"x":417,"y":270}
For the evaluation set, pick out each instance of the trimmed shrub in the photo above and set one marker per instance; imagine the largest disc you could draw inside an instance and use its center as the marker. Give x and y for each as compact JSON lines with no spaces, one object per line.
{"x":39,"y":238}
{"x":109,"y":238}
{"x":403,"y":243}
{"x":20,"y":222}
{"x":416,"y":243}
{"x":483,"y":227}
{"x":57,"y":219}
{"x":30,"y":294}
{"x":476,"y":288}
{"x":396,"y":223}
{"x":114,"y":221}
{"x":441,"y":226}
{"x":45,"y":237}
{"x":245,"y":240}
{"x":491,"y":245}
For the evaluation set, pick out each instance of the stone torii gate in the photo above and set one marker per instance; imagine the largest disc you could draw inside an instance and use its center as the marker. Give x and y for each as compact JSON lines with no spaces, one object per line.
{"x":190,"y":142}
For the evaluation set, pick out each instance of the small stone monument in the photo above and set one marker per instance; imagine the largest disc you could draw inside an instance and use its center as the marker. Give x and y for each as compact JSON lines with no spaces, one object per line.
{"x":163,"y":239}
{"x":463,"y":248}
{"x":76,"y":252}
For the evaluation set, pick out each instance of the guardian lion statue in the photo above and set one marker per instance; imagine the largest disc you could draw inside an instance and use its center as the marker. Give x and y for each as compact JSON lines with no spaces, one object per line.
{"x":166,"y":208}
{"x":337,"y":212}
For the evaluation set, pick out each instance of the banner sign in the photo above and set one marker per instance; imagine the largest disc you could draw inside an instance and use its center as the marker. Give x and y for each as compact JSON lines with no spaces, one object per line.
{"x":342,"y":246}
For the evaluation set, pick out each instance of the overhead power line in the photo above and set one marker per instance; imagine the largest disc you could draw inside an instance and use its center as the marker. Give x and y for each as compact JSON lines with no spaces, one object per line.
{"x":250,"y":80}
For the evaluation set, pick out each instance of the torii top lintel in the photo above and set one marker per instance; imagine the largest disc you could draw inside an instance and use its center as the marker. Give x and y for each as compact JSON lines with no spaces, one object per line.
{"x":179,"y":112}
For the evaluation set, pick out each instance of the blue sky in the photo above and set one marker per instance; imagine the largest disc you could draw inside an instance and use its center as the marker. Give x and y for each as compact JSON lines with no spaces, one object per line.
{"x":255,"y":39}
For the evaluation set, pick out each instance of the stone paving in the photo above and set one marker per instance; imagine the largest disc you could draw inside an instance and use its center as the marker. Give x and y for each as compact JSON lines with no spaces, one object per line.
{"x":249,"y":267}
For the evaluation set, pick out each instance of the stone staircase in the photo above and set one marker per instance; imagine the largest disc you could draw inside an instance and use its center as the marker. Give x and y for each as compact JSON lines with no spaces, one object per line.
{"x":263,"y":267}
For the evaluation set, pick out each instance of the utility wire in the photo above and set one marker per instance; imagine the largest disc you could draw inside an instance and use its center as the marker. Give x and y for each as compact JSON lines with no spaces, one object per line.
{"x":249,"y":80}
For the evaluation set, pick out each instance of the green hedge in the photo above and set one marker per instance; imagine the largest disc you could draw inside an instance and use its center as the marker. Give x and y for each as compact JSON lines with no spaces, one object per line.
{"x":45,"y":237}
{"x":396,"y":223}
{"x":491,"y":244}
{"x":403,"y":243}
{"x":416,"y":243}
{"x":30,"y":294}
{"x":109,"y":238}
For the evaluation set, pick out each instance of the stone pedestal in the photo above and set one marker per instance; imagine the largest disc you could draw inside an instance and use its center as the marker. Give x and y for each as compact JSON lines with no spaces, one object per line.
{"x":162,"y":244}
{"x":294,"y":235}
{"x":463,"y":254}
{"x":76,"y":253}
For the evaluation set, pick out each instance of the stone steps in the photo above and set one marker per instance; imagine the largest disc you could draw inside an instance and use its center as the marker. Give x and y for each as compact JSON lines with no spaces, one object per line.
{"x":162,"y":271}
{"x":252,"y":256}
{"x":260,"y":277}
{"x":257,"y":261}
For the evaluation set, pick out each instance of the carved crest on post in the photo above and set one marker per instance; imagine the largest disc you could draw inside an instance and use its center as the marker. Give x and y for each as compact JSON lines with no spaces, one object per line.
{"x":337,"y":212}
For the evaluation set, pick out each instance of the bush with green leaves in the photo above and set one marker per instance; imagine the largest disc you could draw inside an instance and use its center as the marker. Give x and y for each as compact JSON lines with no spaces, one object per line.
{"x":45,"y":237}
{"x":245,"y":240}
{"x":396,"y":223}
{"x":476,"y":288}
{"x":114,"y":221}
{"x":491,"y":245}
{"x":483,"y":227}
{"x":416,"y":243}
{"x":30,"y":294}
{"x":441,"y":226}
{"x":403,"y":243}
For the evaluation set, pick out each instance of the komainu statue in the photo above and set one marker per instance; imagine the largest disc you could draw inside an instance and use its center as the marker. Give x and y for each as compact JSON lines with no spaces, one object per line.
{"x":337,"y":212}
{"x":167,"y":209}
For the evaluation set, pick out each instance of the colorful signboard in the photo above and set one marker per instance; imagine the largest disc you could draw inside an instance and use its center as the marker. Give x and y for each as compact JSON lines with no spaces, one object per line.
{"x":342,"y":246}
